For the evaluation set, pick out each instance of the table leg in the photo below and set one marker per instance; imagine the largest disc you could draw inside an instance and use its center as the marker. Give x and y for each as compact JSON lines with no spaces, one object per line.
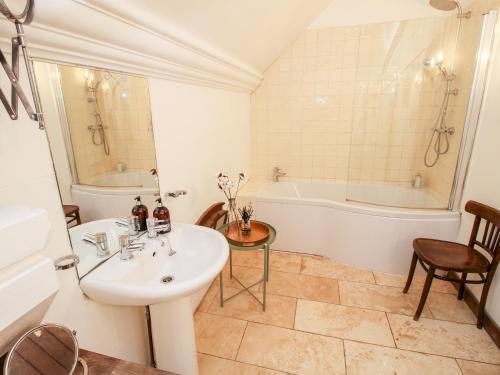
{"x":230,"y":263}
{"x":266,"y":275}
{"x":221,"y":290}
{"x":266,"y":253}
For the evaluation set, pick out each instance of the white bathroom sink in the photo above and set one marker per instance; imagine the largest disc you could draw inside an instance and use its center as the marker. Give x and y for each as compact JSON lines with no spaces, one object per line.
{"x":87,"y":251}
{"x":200,"y":255}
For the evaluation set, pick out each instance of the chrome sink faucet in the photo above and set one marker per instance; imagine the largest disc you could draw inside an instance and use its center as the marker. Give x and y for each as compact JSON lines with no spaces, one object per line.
{"x":127,"y":247}
{"x":277,"y":173}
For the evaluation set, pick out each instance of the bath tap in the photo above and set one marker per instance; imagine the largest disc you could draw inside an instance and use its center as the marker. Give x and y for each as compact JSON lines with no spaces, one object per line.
{"x":277,"y":173}
{"x":176,"y":193}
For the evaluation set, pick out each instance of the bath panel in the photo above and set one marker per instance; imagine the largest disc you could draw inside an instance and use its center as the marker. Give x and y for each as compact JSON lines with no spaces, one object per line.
{"x":367,"y":236}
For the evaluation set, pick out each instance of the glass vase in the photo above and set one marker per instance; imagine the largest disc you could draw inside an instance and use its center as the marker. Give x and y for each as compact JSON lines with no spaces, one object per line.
{"x":232,"y":212}
{"x":246,"y":227}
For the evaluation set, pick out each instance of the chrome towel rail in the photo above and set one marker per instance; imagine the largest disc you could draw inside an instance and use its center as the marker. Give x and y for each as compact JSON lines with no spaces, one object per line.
{"x":12,"y":71}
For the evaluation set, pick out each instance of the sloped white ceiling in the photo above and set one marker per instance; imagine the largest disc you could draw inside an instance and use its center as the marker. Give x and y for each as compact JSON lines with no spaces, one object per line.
{"x":220,"y":43}
{"x":249,"y":32}
{"x":357,"y":12}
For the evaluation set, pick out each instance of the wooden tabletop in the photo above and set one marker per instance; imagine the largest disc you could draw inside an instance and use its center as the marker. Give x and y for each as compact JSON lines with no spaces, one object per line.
{"x":100,"y":364}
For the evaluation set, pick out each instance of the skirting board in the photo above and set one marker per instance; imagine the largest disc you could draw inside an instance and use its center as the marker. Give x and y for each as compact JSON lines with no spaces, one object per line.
{"x":489,"y":325}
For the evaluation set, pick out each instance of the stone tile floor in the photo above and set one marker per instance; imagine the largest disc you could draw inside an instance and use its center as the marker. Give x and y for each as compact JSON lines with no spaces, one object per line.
{"x":328,"y":318}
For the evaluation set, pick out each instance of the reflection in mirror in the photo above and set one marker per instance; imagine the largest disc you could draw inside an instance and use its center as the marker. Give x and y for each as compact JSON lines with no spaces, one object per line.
{"x":47,"y":349}
{"x":16,"y":7}
{"x":101,"y":138}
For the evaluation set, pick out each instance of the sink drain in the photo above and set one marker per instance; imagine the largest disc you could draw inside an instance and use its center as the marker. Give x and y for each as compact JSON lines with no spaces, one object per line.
{"x":167,"y":279}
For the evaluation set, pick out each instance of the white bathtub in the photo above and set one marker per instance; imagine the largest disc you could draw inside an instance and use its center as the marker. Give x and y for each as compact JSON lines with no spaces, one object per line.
{"x":112,"y":194}
{"x":316,"y":218}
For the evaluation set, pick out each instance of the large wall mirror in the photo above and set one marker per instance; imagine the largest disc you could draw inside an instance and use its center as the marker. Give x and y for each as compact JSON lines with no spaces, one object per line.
{"x":101,"y":138}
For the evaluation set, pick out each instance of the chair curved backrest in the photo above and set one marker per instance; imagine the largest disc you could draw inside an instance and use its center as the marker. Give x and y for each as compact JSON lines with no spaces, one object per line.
{"x":490,"y":239}
{"x":212,"y":216}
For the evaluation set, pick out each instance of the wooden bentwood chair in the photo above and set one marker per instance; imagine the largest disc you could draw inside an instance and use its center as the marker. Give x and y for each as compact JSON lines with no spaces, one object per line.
{"x":454,"y":257}
{"x":72,"y":214}
{"x":212,"y":215}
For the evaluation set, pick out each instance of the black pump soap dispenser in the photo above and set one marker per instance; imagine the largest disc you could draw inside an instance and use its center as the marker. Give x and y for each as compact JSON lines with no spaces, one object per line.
{"x":141,"y":211}
{"x":162,"y":214}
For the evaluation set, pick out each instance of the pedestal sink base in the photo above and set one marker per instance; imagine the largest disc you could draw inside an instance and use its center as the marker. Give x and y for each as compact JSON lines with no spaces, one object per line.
{"x":174,"y":337}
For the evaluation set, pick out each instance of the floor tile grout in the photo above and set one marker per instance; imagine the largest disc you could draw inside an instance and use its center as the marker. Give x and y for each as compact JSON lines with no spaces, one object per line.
{"x":459,"y":367}
{"x":242,"y":336}
{"x":345,"y":358}
{"x":295,"y":313}
{"x":333,"y":278}
{"x":360,"y":307}
{"x":243,"y":363}
{"x":343,"y":343}
{"x":341,"y":302}
{"x":424,"y":353}
{"x":348,"y":339}
{"x":390,"y":328}
{"x":389,"y":286}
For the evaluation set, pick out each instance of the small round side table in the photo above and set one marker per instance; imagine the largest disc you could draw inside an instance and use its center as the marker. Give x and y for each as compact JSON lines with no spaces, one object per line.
{"x":265,"y":277}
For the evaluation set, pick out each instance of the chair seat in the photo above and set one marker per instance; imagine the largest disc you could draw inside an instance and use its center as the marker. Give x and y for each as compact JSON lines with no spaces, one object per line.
{"x":450,"y":256}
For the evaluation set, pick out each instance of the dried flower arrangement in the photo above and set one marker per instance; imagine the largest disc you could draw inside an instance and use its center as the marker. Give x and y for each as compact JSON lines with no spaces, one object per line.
{"x":246,"y":213}
{"x":230,"y":190}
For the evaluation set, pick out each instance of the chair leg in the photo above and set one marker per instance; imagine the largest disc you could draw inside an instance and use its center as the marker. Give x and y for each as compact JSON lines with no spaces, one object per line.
{"x":461,"y":290}
{"x":425,"y":292}
{"x":411,"y":272}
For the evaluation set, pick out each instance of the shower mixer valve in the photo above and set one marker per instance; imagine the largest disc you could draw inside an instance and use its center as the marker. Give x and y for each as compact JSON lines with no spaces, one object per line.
{"x":449,"y":131}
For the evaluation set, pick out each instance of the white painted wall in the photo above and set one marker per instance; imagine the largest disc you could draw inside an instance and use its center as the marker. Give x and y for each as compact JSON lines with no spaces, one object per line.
{"x":27,"y":178}
{"x":483,"y":177}
{"x":359,"y":12}
{"x":199,"y":132}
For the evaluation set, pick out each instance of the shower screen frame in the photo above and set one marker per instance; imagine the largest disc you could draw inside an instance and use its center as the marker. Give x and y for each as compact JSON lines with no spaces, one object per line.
{"x":474,"y":106}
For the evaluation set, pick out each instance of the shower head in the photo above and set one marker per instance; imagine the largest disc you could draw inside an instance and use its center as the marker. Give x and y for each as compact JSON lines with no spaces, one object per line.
{"x":431,"y":63}
{"x":447,"y":5}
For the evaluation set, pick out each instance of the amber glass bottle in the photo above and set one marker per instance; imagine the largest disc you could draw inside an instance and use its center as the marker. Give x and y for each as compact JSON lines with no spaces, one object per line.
{"x":162,"y":214}
{"x":141,"y":211}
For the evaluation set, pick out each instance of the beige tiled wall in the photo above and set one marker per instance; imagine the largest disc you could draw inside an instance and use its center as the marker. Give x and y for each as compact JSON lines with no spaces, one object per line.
{"x":125,"y":111}
{"x":357,"y":103}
